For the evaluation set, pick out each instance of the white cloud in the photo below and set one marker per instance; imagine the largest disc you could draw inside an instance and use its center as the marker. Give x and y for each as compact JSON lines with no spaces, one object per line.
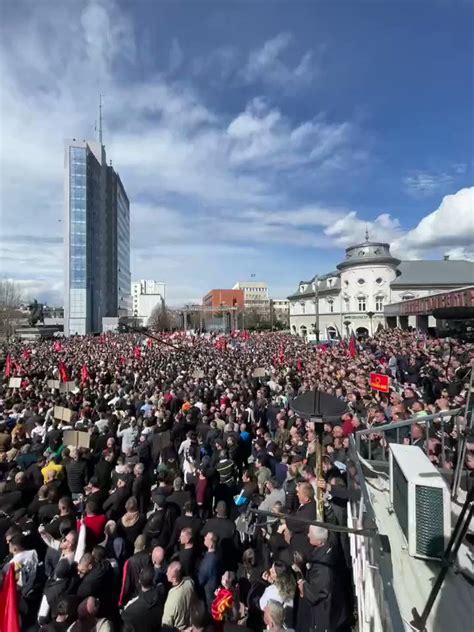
{"x":450,"y":225}
{"x":424,"y":184}
{"x":262,"y":135}
{"x":460,"y":253}
{"x":267,"y":64}
{"x":209,"y":191}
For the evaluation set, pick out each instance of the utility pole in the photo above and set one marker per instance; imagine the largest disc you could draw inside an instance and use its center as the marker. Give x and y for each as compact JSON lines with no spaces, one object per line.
{"x":316,"y":307}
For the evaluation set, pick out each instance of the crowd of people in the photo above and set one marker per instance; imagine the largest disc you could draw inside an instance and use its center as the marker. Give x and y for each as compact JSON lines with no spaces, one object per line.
{"x":128,"y":465}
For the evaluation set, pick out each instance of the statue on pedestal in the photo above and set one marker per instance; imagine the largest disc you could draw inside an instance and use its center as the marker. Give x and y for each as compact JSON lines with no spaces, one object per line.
{"x":36,"y":313}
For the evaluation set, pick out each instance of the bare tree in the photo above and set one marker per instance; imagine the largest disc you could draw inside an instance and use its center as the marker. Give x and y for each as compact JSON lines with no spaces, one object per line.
{"x":159,"y":318}
{"x":10,"y":299}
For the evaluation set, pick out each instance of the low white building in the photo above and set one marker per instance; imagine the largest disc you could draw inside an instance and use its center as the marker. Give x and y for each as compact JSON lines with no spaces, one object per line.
{"x":352,"y":298}
{"x":281,"y":310}
{"x":255,"y":295}
{"x":146,"y":295}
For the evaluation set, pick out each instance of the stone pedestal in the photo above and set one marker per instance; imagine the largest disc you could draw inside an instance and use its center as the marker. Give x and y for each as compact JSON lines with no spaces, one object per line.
{"x":38,"y":332}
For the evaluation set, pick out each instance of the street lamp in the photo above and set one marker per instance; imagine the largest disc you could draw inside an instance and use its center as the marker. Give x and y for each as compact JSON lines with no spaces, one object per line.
{"x":347,"y":324}
{"x":371,"y":315}
{"x":316,"y":307}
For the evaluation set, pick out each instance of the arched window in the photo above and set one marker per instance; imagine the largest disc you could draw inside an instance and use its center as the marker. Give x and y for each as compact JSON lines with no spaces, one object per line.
{"x":303,"y":331}
{"x":331,"y":305}
{"x":332,"y":333}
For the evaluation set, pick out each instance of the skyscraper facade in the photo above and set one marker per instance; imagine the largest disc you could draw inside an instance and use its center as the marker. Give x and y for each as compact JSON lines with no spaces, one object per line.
{"x":96,"y":240}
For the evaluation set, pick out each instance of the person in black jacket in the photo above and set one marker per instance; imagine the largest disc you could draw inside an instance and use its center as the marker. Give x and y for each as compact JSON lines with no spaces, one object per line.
{"x":144,"y":612}
{"x":189,"y":519}
{"x":132,"y":569}
{"x":323,"y":602}
{"x":76,"y":473}
{"x":114,"y":506}
{"x":298,"y":531}
{"x":103,"y":470}
{"x":141,"y":488}
{"x":97,"y":580}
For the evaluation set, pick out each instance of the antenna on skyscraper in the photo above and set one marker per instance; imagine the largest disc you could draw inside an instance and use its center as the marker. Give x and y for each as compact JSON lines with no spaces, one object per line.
{"x":100,"y":118}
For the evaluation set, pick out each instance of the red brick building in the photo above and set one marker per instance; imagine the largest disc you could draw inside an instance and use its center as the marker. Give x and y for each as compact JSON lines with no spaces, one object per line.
{"x":224,"y":298}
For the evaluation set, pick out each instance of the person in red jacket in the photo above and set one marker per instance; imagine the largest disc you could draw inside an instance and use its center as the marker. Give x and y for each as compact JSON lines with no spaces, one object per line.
{"x":94,"y":523}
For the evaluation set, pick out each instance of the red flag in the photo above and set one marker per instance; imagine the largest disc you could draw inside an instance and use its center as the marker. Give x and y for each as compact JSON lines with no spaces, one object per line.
{"x":299,"y":365}
{"x":57,"y":346}
{"x":149,"y":343}
{"x":124,"y":583}
{"x":137,"y":352}
{"x":63,"y":372}
{"x":84,"y":373}
{"x":352,"y":346}
{"x":8,"y":366}
{"x":9,"y":618}
{"x":26,"y":355}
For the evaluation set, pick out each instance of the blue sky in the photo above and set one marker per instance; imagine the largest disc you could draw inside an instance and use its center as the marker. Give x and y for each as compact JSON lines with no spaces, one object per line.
{"x":252,"y":137}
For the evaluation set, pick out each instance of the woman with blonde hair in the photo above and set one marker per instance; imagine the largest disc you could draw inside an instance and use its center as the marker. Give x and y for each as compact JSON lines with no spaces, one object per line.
{"x":282,"y":589}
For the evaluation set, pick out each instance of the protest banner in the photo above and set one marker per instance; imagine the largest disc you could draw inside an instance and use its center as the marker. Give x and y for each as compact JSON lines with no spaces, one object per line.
{"x":67,"y":387}
{"x":76,"y":438}
{"x":62,"y":413}
{"x":15,"y":382}
{"x":380,"y":382}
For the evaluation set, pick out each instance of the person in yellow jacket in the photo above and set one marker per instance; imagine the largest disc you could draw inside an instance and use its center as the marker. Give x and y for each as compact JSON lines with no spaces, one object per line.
{"x":52,"y":466}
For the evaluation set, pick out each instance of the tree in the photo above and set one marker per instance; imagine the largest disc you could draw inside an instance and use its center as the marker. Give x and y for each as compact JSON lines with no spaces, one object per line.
{"x":10,"y":299}
{"x":159,"y":319}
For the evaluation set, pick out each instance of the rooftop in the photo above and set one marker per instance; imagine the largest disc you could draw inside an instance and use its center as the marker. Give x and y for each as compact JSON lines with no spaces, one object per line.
{"x":446,"y":272}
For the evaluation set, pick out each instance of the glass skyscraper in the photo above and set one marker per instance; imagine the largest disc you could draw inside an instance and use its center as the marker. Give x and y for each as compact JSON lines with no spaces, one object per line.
{"x":96,"y":240}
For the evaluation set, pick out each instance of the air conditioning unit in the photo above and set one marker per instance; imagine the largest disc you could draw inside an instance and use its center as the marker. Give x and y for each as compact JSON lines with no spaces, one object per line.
{"x":421,"y":501}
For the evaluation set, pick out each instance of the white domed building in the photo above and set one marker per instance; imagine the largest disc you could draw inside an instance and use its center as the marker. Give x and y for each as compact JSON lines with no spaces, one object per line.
{"x":352,"y":298}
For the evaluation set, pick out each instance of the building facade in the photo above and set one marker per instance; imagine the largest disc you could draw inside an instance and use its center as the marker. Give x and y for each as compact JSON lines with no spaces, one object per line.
{"x":218,"y":299}
{"x":146,"y":295}
{"x":255,"y":296}
{"x":96,"y":240}
{"x":352,"y":298}
{"x":280,"y":310}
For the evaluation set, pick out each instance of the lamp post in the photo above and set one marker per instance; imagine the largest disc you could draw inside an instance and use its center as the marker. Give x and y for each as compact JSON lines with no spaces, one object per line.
{"x":371,"y":315}
{"x":316,"y":307}
{"x":347,"y":324}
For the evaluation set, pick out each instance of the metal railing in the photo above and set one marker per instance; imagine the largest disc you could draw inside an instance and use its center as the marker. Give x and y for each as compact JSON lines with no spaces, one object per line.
{"x":434,"y":426}
{"x":378,"y":609}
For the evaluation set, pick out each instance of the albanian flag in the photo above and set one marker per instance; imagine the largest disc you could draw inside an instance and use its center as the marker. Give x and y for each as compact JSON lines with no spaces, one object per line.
{"x":352,"y":346}
{"x":299,"y":365}
{"x":26,"y":355}
{"x":137,"y":353}
{"x":84,"y":373}
{"x":8,"y":366}
{"x":57,"y":347}
{"x":63,"y":372}
{"x":9,"y":618}
{"x":149,"y":343}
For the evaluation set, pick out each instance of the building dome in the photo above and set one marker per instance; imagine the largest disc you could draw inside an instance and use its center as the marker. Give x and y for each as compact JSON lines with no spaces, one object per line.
{"x":368,"y":252}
